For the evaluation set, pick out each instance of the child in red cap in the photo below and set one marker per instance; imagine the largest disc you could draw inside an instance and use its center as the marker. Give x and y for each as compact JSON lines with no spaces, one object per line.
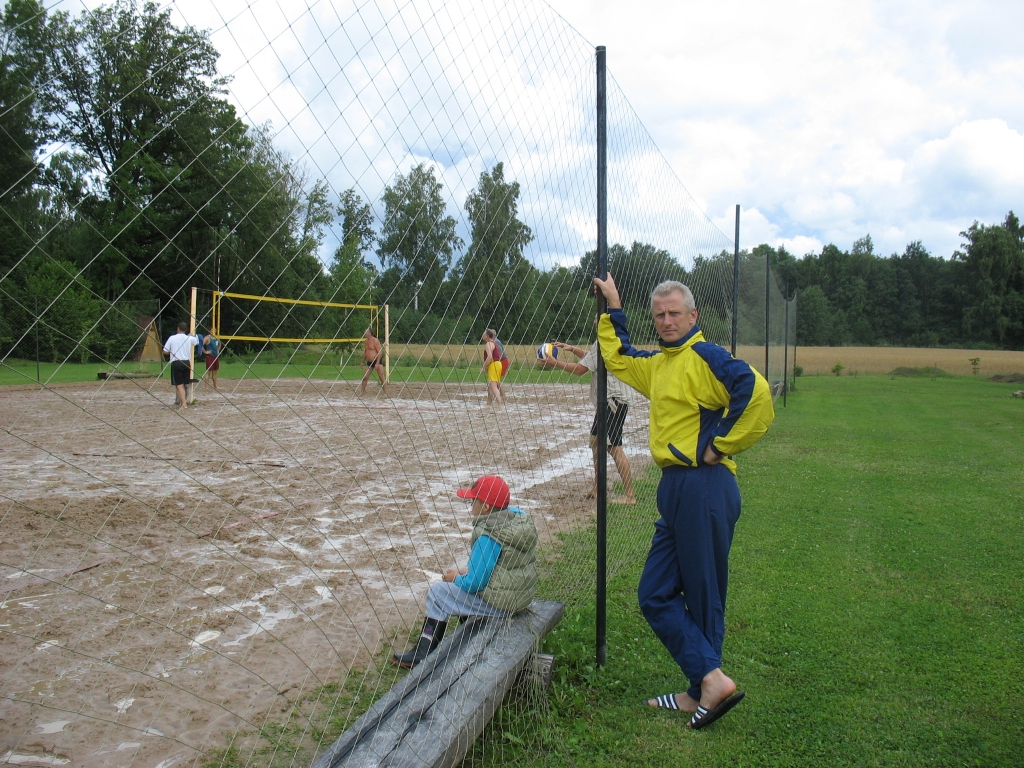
{"x":501,"y":576}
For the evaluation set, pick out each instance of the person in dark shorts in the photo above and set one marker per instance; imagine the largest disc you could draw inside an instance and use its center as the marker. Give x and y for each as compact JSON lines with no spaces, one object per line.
{"x":615,"y":415}
{"x":373,"y":352}
{"x":179,"y":349}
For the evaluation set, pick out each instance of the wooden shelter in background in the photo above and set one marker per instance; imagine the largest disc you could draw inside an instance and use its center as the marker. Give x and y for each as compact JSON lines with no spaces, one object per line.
{"x":151,"y":350}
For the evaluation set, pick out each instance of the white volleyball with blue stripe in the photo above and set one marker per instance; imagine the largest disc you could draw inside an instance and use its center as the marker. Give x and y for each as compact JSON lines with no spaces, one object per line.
{"x":546,"y":350}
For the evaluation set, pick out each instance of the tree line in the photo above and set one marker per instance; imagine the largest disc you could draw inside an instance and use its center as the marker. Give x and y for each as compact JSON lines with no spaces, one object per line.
{"x":916,"y":299}
{"x":158,"y":184}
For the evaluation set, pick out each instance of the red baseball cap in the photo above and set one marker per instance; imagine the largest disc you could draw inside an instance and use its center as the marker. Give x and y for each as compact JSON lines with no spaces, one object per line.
{"x":490,"y":489}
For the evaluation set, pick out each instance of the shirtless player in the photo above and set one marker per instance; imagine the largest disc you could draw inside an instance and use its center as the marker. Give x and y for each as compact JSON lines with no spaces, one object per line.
{"x":372,"y":353}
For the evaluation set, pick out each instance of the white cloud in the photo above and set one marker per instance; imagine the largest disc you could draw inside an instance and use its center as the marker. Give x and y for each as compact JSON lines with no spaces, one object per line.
{"x":902,"y":119}
{"x":976,"y":158}
{"x":826,"y":121}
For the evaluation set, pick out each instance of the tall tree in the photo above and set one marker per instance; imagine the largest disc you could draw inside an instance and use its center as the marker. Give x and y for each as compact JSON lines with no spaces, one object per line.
{"x":812,"y":318}
{"x":141,"y":98}
{"x":22,"y":125}
{"x":493,"y":274}
{"x":992,"y":282}
{"x":417,"y":237}
{"x":353,"y":275}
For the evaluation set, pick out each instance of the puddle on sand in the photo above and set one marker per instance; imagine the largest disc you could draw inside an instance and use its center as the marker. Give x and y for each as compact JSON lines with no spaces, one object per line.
{"x":205,"y":637}
{"x":55,"y":727}
{"x":15,"y":759}
{"x":267,"y":621}
{"x":39,"y":688}
{"x":123,"y":705}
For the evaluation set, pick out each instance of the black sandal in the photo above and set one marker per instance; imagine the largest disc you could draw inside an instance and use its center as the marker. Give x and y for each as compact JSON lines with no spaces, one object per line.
{"x":705,"y":717}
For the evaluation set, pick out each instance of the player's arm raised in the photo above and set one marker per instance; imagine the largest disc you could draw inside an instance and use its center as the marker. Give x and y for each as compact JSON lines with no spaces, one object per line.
{"x":550,"y":361}
{"x":554,"y":362}
{"x":627,"y":363}
{"x":570,"y":348}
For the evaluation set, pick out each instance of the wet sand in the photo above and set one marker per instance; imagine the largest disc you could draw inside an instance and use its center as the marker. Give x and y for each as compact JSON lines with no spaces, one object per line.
{"x":169,"y":580}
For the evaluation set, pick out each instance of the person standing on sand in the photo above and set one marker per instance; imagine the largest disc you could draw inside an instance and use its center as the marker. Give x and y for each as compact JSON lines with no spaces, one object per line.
{"x":211,"y":354}
{"x":615,"y":414}
{"x":706,"y":407}
{"x":372,"y":353}
{"x":179,"y":348}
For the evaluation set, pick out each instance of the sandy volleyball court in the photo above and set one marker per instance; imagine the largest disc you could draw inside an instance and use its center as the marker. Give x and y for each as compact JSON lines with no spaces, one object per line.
{"x":169,"y":580}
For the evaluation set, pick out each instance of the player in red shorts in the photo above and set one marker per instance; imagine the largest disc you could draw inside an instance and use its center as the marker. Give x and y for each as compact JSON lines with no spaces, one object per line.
{"x":211,"y":354}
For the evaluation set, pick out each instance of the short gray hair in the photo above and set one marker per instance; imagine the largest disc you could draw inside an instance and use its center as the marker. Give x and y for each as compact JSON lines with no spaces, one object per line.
{"x":490,"y":333}
{"x":671,"y":286}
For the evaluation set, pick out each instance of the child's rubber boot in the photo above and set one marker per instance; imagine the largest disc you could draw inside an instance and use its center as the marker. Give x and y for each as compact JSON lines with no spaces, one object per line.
{"x":430,"y":637}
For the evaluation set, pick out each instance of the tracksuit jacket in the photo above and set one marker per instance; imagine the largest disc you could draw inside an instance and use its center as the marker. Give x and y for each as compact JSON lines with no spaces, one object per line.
{"x":700,"y":394}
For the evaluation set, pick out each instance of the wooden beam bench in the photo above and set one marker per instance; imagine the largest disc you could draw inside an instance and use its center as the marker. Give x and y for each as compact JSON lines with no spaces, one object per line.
{"x":433,"y":715}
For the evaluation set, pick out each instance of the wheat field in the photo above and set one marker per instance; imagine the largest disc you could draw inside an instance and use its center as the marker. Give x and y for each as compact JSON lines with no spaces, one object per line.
{"x":882,"y":360}
{"x":814,"y":360}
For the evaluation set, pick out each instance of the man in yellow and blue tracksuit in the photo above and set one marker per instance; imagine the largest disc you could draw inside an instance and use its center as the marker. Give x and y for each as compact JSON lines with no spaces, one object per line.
{"x":706,"y":407}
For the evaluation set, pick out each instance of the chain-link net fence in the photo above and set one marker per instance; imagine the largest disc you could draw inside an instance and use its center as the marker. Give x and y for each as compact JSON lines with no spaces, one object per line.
{"x":226,"y":584}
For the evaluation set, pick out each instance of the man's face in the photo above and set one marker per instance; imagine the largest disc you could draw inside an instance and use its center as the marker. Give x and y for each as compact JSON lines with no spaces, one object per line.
{"x":671,"y":318}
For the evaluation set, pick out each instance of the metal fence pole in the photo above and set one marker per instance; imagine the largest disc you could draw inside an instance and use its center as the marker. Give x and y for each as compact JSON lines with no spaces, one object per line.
{"x":736,"y":281}
{"x":602,"y":376}
{"x":767,"y":314}
{"x":785,"y":353}
{"x":38,"y":378}
{"x":795,"y":340}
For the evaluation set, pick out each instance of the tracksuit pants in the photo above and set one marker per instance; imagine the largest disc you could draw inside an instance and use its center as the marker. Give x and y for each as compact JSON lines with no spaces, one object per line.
{"x":683,"y":586}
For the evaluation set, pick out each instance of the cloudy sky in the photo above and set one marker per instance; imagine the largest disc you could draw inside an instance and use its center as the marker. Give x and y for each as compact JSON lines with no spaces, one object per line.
{"x":825,"y":121}
{"x":828,"y":120}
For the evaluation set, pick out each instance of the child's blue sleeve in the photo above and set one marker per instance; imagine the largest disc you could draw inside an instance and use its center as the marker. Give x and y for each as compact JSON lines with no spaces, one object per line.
{"x":482,"y":560}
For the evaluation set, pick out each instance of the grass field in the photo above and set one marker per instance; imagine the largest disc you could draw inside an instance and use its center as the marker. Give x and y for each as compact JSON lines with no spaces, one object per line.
{"x":438,"y":363}
{"x":874,"y":616}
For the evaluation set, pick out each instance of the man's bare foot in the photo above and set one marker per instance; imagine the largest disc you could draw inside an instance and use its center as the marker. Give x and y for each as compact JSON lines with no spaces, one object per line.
{"x":715,"y":688}
{"x":684,"y":700}
{"x":628,"y":501}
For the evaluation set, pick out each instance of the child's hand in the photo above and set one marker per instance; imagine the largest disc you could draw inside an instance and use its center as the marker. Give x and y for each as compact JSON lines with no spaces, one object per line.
{"x":450,"y":575}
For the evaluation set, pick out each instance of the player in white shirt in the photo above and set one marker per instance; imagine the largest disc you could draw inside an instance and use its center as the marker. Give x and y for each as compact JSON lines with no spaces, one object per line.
{"x":179,"y":348}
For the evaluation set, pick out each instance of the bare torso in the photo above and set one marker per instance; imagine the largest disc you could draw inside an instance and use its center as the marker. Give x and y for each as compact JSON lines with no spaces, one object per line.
{"x":371,"y":349}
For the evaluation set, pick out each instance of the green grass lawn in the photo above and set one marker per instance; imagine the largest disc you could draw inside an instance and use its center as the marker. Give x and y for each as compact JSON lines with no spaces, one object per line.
{"x":875,"y":613}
